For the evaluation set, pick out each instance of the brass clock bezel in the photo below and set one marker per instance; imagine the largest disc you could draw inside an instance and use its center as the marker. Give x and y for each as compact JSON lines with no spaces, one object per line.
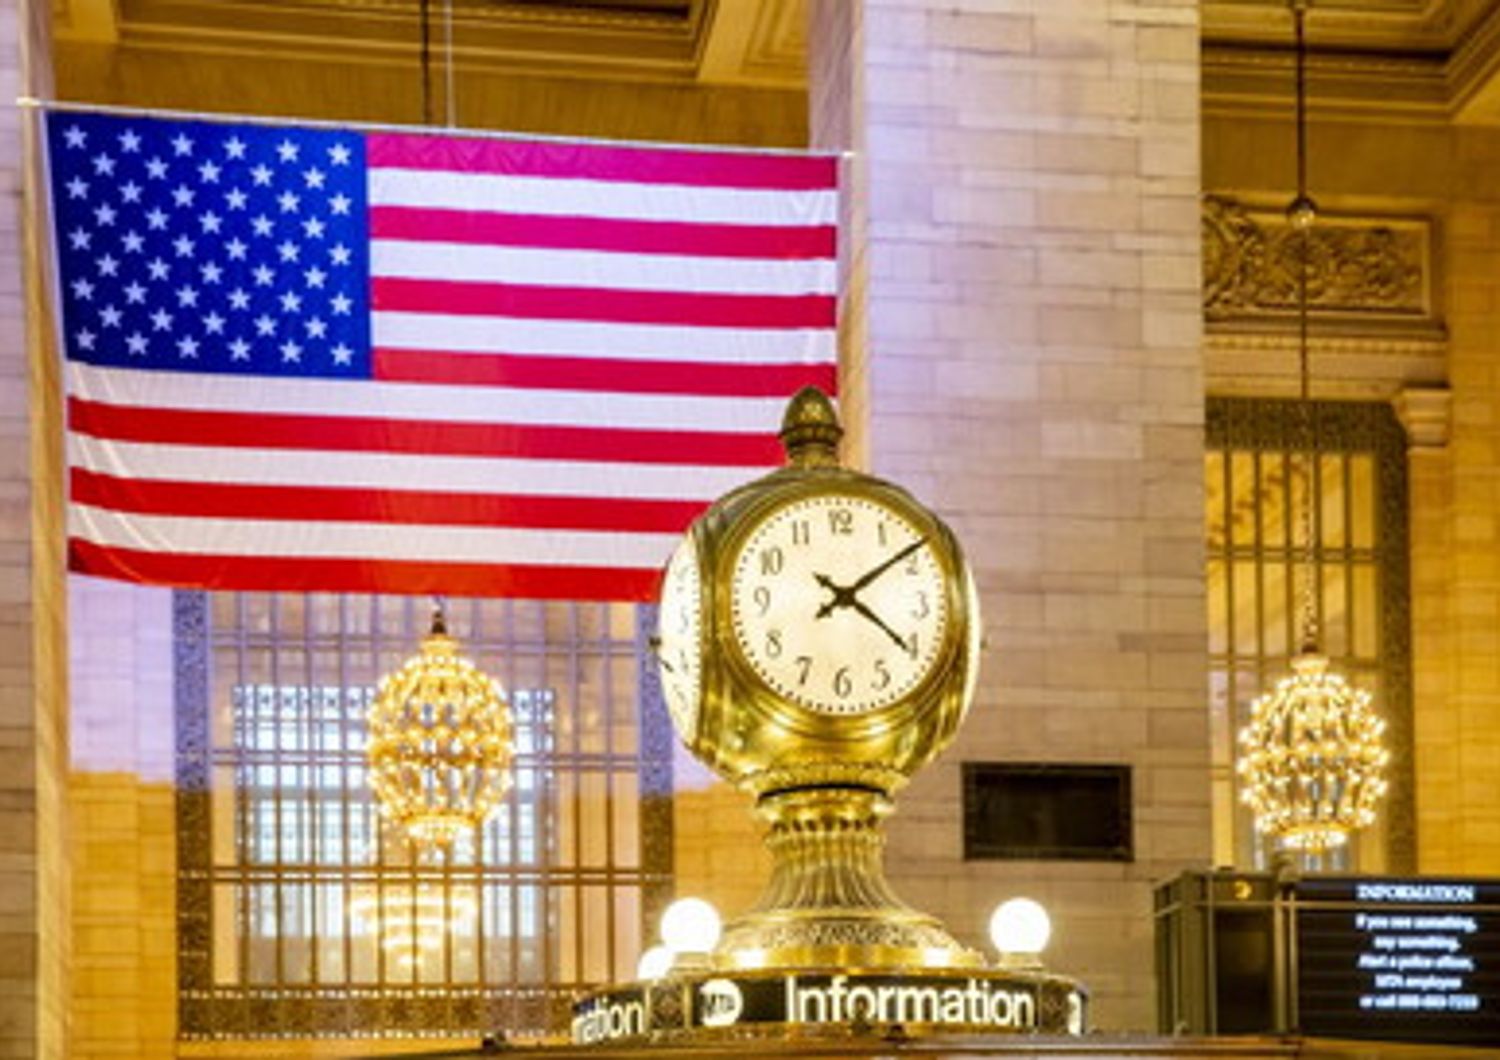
{"x":745,"y":685}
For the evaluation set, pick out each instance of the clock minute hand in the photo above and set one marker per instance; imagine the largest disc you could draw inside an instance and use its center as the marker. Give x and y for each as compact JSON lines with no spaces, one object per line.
{"x":859,"y":606}
{"x":871,"y":575}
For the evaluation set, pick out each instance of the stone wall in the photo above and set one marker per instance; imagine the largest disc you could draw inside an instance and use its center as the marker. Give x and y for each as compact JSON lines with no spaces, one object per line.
{"x":1458,"y":705}
{"x":34,"y":938}
{"x":124,"y":851}
{"x":1032,"y":370}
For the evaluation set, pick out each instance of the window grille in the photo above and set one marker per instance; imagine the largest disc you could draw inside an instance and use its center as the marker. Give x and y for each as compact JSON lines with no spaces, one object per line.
{"x":1257,"y":472}
{"x":301,"y":915}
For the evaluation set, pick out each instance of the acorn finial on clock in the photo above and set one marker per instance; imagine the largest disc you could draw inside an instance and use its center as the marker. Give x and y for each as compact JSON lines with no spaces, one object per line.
{"x":810,"y":430}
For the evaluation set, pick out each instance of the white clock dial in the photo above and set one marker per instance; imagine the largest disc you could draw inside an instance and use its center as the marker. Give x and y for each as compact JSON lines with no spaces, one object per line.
{"x":679,"y":643}
{"x":839,"y":603}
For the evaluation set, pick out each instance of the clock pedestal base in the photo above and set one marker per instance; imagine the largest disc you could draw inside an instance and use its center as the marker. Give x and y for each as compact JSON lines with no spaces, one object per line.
{"x":828,"y":904}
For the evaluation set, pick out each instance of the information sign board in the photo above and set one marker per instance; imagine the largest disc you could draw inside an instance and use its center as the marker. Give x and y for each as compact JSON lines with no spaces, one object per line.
{"x":1399,"y":959}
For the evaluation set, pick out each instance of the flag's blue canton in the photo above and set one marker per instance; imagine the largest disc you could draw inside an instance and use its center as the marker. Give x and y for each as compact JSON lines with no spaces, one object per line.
{"x":196,"y":246}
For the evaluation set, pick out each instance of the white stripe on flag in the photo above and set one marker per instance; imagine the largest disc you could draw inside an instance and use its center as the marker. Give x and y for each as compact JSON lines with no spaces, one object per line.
{"x":374,"y":541}
{"x":211,"y":392}
{"x":463,"y":262}
{"x":150,"y":462}
{"x":571,"y":338}
{"x":562,"y":197}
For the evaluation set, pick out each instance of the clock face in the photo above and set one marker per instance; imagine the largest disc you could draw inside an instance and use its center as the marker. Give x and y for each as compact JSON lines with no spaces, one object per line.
{"x":839,"y":604}
{"x":680,"y":623}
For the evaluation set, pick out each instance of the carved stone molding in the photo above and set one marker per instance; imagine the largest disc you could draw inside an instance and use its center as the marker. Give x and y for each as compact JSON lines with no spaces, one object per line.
{"x":1427,"y":414}
{"x":1344,"y":367}
{"x":1373,"y":269}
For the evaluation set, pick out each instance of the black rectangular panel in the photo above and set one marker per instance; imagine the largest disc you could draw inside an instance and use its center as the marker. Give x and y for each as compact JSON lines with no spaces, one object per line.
{"x":1016,"y":810}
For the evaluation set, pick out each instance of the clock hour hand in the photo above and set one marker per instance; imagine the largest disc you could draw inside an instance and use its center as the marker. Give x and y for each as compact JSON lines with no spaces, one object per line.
{"x":843,"y":596}
{"x":871,"y":575}
{"x":859,"y":606}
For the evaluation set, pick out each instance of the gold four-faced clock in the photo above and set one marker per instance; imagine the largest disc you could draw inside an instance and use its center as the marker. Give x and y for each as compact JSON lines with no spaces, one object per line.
{"x":818,"y":644}
{"x":817,"y":625}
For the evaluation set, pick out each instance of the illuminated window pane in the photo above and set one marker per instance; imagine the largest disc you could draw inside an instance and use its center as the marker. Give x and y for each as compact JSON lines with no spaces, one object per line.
{"x":1258,"y":476}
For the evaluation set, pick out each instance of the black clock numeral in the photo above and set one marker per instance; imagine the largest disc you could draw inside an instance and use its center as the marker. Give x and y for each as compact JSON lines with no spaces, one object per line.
{"x":843,"y":684}
{"x":804,"y":667}
{"x":840,"y":521}
{"x":763,"y":598}
{"x":880,"y":534}
{"x":911,"y":644}
{"x":771,"y":560}
{"x":882,"y":676}
{"x":912,"y":566}
{"x":923,"y":607}
{"x":802,"y":532}
{"x":773,"y":644}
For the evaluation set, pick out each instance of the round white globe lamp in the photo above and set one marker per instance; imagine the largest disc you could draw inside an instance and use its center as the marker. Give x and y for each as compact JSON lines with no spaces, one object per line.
{"x":690,"y":925}
{"x":1019,"y":929}
{"x":690,"y":928}
{"x":654,"y":963}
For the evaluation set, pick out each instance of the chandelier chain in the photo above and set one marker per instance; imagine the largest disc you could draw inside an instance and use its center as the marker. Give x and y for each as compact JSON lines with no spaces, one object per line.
{"x":450,"y":91}
{"x":1303,"y":213}
{"x":450,"y":95}
{"x":425,"y":58}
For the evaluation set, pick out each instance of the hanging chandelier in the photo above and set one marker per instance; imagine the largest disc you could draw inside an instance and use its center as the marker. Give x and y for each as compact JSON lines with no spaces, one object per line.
{"x":1311,"y":764}
{"x":439,"y":743}
{"x":1311,"y":761}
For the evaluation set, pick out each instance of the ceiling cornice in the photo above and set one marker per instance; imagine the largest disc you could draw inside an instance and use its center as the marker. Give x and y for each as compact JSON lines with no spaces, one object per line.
{"x":1434,"y":61}
{"x":1436,"y":26}
{"x":558,"y":40}
{"x":760,"y":42}
{"x":1245,"y":79}
{"x":1474,"y":67}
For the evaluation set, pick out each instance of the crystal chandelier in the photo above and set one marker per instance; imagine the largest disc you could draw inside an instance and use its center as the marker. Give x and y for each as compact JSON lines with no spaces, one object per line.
{"x":440,"y":743}
{"x":1311,"y":765}
{"x":1311,"y":761}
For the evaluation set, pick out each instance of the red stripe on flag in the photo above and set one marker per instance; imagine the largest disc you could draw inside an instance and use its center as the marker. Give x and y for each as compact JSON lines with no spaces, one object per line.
{"x":407,"y":507}
{"x":258,"y":430}
{"x":576,"y":161}
{"x":600,"y":374}
{"x":302,"y":574}
{"x":682,"y":309}
{"x":779,"y":242}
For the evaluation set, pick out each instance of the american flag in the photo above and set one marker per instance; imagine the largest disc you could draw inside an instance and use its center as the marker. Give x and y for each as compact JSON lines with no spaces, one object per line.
{"x":312,"y":358}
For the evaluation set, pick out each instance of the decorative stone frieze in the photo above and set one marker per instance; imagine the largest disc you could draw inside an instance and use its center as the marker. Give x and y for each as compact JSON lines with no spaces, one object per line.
{"x":1372,"y":268}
